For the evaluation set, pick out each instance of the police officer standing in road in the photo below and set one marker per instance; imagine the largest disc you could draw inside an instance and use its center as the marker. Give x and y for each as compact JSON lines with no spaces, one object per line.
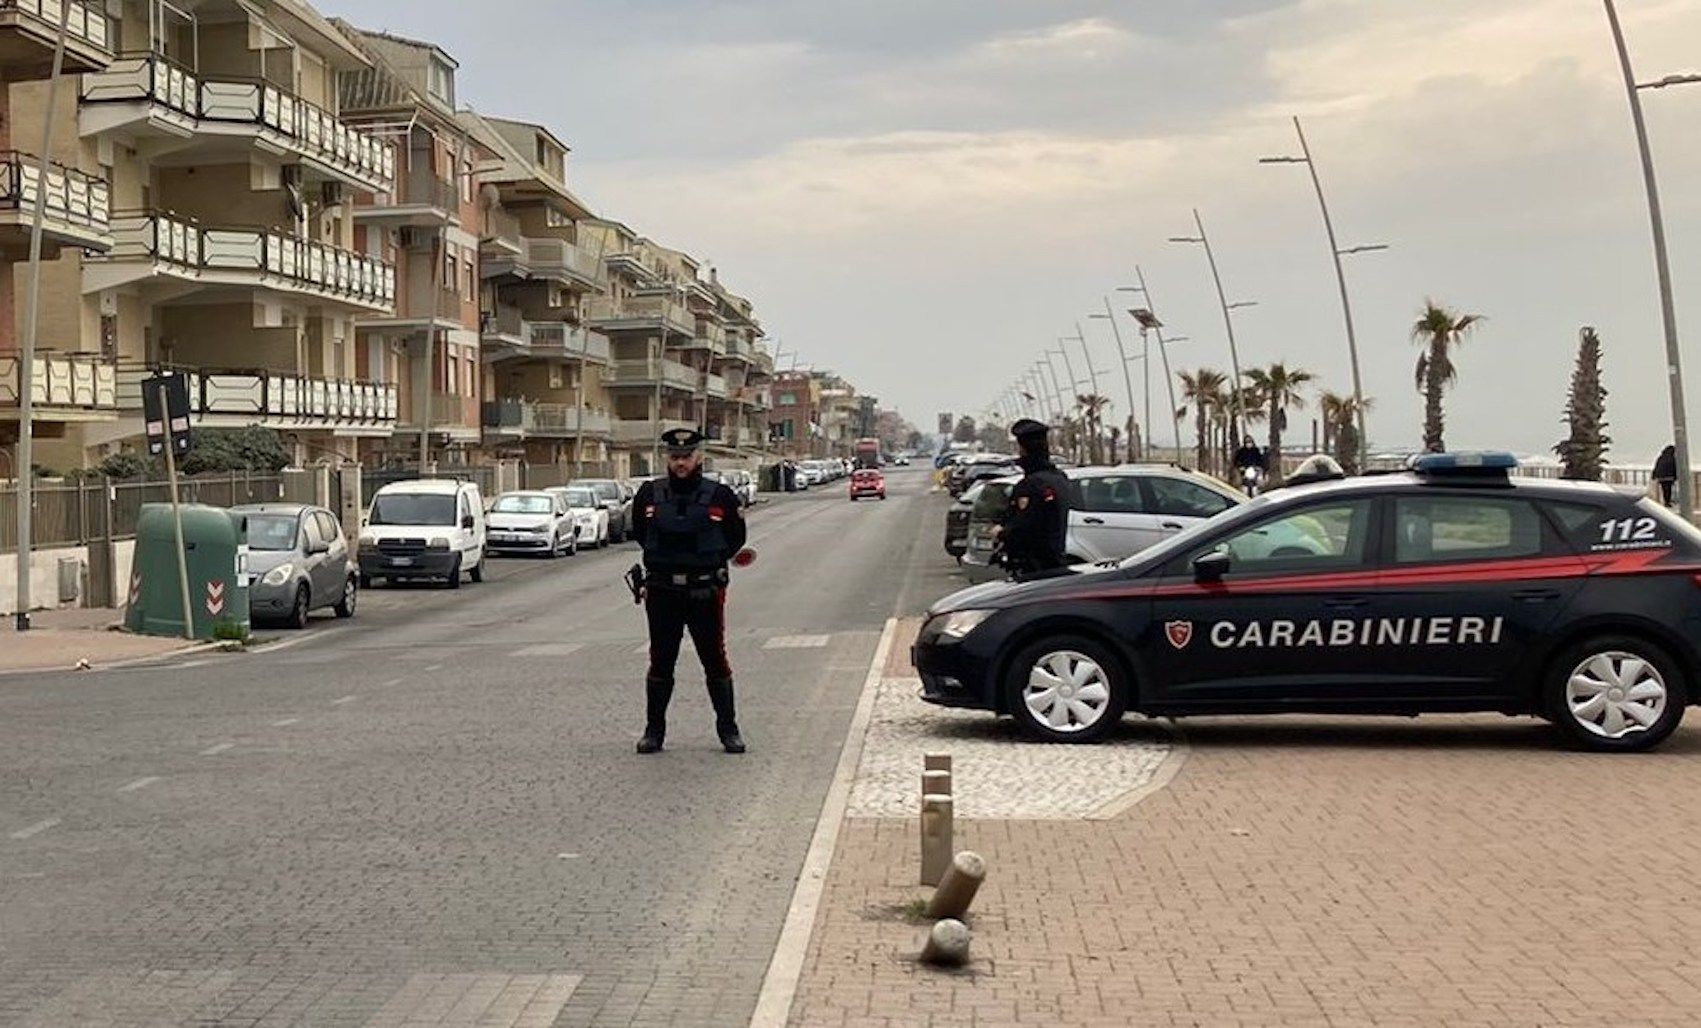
{"x":689,"y":527}
{"x":1035,"y":527}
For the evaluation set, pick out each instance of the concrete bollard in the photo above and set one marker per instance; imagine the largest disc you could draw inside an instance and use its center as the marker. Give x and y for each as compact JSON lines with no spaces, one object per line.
{"x":936,"y":762}
{"x":936,"y":783}
{"x":947,"y":944}
{"x":935,"y":838}
{"x":957,"y":890}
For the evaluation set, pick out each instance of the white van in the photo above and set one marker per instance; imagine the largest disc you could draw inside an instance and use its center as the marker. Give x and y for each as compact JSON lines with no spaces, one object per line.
{"x":429,"y":528}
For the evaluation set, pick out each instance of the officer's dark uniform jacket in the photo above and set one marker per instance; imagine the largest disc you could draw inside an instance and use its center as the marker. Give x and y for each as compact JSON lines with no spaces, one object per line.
{"x":1036,"y":522}
{"x":689,"y":528}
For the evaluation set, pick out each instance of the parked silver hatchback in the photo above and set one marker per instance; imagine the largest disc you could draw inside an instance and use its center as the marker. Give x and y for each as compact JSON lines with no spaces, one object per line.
{"x":299,"y":561}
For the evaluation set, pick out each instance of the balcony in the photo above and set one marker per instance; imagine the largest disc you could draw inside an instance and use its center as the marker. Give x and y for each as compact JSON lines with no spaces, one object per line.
{"x":452,"y":415}
{"x":644,"y":431}
{"x":63,"y":386}
{"x":76,"y":213}
{"x":670,"y":374}
{"x":715,"y":387}
{"x":148,"y":99}
{"x":180,"y":256}
{"x":29,"y":31}
{"x":431,"y":306}
{"x":710,"y":337}
{"x":550,"y":260}
{"x":639,"y":313}
{"x":502,"y":236}
{"x":237,"y":398}
{"x":522,"y":418}
{"x":508,"y":336}
{"x":418,"y":199}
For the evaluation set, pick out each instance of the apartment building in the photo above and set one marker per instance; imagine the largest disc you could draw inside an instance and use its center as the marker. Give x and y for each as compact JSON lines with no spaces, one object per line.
{"x":430,"y":222}
{"x":547,"y":399}
{"x":71,"y":383}
{"x":796,"y":414}
{"x":736,"y":423}
{"x":229,"y":186}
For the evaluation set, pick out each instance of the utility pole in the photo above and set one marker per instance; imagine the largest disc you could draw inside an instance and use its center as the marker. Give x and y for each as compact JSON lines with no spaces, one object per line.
{"x":1228,"y":321}
{"x":32,"y":309}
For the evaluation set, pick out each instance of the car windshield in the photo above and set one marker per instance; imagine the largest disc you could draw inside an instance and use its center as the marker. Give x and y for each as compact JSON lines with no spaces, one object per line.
{"x":1190,"y":535}
{"x":581,"y":498}
{"x":522,"y":505}
{"x":990,"y":500}
{"x":273,"y":532}
{"x":605,"y":490}
{"x":413,"y":509}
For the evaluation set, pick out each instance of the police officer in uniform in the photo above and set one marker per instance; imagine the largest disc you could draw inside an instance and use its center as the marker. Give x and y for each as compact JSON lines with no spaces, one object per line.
{"x":689,"y":527}
{"x":1036,"y":522}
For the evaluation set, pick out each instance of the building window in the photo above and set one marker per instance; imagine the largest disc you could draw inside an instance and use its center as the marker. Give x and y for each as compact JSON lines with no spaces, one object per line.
{"x":442,"y":83}
{"x":467,"y":182}
{"x":788,"y":399}
{"x":448,"y":266}
{"x":556,"y":218}
{"x":557,"y":296}
{"x":467,"y":279}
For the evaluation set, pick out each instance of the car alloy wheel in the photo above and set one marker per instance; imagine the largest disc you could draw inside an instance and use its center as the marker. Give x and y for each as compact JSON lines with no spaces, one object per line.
{"x":1066,"y":689}
{"x":351,"y":591}
{"x":1616,"y":693}
{"x":298,"y":612}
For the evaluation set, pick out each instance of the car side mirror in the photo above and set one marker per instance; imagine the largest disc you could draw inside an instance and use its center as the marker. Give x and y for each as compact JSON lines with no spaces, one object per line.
{"x":1211,"y":567}
{"x":468,"y":521}
{"x":314,"y":549}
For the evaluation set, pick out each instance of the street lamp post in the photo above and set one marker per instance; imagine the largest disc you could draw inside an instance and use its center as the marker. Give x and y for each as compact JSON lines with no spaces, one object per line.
{"x":1148,"y":321}
{"x":1228,"y":322}
{"x":1057,"y":388}
{"x":1127,"y":381}
{"x":1335,"y":254}
{"x":25,"y":463}
{"x":1662,"y":266}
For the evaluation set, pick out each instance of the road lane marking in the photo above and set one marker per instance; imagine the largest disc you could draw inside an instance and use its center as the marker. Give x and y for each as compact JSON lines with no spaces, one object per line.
{"x":433,"y":667}
{"x":342,"y":700}
{"x":285,"y":723}
{"x":796,"y":642}
{"x":779,"y":985}
{"x":35,"y":829}
{"x":393,"y":681}
{"x":549,"y":650}
{"x":140,"y":783}
{"x":213,"y":751}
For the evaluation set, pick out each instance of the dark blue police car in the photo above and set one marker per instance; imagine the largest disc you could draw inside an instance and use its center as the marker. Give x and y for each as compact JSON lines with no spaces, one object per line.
{"x":1450,"y":587}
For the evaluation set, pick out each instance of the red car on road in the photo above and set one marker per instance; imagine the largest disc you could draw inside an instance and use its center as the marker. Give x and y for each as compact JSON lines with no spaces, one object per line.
{"x":867,"y":482}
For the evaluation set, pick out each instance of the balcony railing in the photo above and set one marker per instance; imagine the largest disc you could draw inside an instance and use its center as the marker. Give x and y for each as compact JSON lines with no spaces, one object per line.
{"x":528,"y":418}
{"x":72,"y":197}
{"x":715,"y":386}
{"x":309,"y":130}
{"x":65,"y":380}
{"x":412,"y":190}
{"x":85,"y":23}
{"x":273,"y":397}
{"x":271,"y":257}
{"x":641,"y":309}
{"x":502,"y":231}
{"x":557,"y":337}
{"x":644,"y":431}
{"x":646,"y":372}
{"x":448,"y":410}
{"x":561,"y":257}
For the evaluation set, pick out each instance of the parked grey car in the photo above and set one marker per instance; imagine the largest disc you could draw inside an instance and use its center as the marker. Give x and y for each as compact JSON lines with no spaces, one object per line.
{"x":615,"y":499}
{"x":299,"y":562}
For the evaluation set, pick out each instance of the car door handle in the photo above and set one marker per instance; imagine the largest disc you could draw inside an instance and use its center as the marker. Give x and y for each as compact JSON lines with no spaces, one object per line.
{"x":1344,"y":602}
{"x":1174,"y":526}
{"x":1535,"y":595}
{"x":1092,"y":521}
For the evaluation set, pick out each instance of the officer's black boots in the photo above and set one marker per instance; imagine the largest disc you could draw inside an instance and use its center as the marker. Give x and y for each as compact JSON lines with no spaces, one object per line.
{"x":657,"y":692}
{"x":726,"y":720}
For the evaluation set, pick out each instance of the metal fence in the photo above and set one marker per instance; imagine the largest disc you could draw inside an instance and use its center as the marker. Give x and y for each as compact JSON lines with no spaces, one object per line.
{"x":72,"y":513}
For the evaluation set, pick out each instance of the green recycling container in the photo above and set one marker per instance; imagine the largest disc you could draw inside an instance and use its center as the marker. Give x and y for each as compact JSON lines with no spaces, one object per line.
{"x":215,"y":544}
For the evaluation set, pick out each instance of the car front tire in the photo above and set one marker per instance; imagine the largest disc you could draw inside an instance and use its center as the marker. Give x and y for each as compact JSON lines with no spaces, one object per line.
{"x":1615,"y":693}
{"x":1066,"y":688}
{"x":454,"y":579}
{"x":477,"y":572}
{"x":298,"y":612}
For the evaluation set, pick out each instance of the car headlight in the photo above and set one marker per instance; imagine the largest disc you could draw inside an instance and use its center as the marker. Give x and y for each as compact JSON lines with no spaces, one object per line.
{"x":959,"y":623}
{"x":439,"y":543}
{"x":278,"y":575}
{"x":367,"y":544}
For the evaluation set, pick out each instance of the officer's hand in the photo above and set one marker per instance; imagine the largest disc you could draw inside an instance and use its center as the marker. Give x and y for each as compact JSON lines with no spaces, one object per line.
{"x":643,"y":593}
{"x":997,"y":531}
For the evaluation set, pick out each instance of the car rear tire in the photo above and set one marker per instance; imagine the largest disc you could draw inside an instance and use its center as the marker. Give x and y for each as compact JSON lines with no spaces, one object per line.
{"x":1615,"y":693}
{"x":366,"y":581}
{"x":298,"y":612}
{"x":351,"y":591}
{"x":1066,"y":688}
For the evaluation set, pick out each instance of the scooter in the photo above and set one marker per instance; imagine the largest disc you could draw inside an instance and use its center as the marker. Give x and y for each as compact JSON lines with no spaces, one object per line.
{"x":1250,"y":479}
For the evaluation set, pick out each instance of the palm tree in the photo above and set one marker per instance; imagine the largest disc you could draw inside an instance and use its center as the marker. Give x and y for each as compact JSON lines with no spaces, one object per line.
{"x":1278,"y":388}
{"x":1093,"y":407}
{"x":1199,"y":390}
{"x":1438,"y":330}
{"x":1340,"y":428}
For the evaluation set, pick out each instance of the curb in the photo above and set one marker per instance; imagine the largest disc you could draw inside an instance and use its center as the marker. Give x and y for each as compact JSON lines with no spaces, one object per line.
{"x":163,"y":659}
{"x":1178,"y":752}
{"x":779,"y":986}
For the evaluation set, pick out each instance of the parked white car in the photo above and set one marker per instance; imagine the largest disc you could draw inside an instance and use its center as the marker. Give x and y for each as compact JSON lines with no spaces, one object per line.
{"x":587,"y":514}
{"x":531,"y":521}
{"x":1114,"y":512}
{"x":424,"y":528}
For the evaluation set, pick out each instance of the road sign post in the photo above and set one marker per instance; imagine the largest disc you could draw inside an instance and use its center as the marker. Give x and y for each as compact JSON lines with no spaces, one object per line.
{"x":165,"y":413}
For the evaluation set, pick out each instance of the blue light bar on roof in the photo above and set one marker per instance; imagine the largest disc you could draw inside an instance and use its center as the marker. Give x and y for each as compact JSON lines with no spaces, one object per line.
{"x":1464,"y":463}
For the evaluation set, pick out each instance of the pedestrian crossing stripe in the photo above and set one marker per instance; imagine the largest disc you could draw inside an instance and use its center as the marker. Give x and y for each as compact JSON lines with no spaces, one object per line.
{"x":796,"y":642}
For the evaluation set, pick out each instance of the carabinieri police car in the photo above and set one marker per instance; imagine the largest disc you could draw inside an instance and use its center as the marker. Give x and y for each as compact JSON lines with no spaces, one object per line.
{"x":1452,"y":586}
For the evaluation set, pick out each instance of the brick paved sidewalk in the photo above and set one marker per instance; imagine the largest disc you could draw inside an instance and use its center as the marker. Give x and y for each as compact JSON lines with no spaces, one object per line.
{"x":1306,"y":871}
{"x":58,"y":639}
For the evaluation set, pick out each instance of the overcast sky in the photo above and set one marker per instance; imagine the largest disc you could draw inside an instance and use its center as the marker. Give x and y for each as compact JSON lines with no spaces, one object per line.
{"x":925,"y":194}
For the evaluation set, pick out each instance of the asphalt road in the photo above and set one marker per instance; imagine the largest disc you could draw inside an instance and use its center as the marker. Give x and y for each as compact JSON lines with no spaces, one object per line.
{"x":435,"y":807}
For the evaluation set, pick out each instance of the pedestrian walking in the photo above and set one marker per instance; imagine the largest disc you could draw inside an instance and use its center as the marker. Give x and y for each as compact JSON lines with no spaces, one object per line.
{"x":1034,"y":531}
{"x":689,"y":527}
{"x":1665,"y":473}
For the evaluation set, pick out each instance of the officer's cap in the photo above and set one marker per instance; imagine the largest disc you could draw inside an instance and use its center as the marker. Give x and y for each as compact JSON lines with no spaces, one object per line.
{"x":1029,"y":427}
{"x":680,"y":441}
